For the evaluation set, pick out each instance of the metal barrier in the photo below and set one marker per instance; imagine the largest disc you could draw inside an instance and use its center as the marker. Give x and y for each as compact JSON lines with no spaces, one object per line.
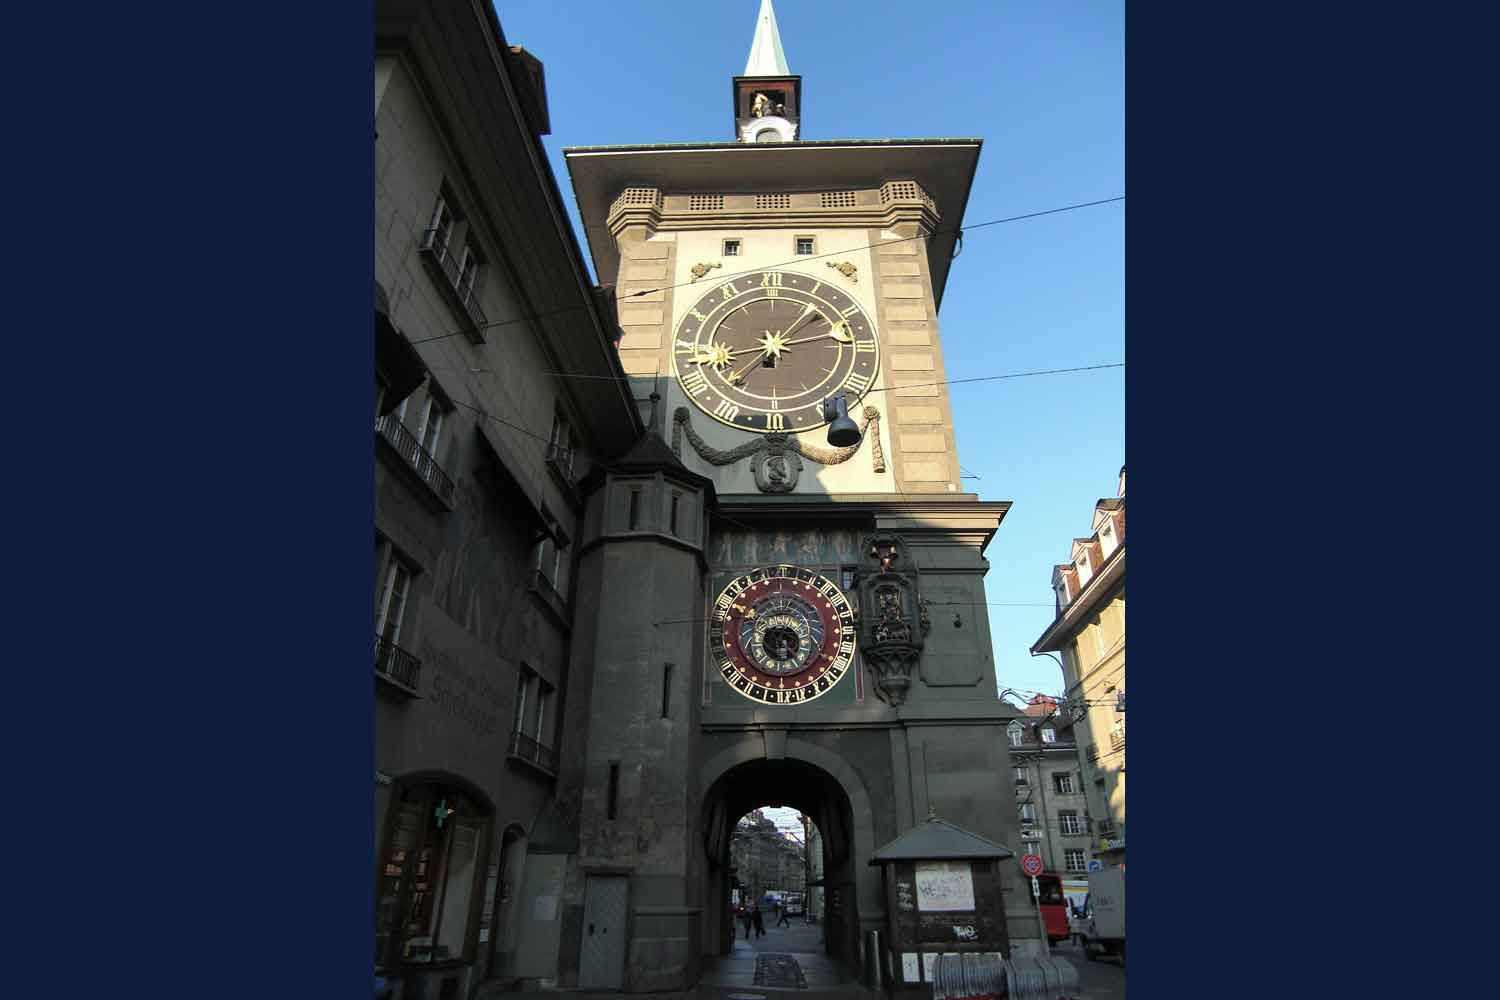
{"x":972,"y":976}
{"x":1041,"y":979}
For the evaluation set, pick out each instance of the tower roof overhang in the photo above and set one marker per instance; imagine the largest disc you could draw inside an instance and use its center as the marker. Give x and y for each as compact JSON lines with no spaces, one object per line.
{"x":943,"y":167}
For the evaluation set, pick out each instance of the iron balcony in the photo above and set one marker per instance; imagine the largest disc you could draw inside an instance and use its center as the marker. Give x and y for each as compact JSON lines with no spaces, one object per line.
{"x":396,"y":665}
{"x":417,"y":458}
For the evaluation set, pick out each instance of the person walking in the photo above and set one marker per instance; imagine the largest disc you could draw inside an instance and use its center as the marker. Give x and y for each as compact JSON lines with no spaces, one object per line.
{"x":760,"y":922}
{"x":781,"y":920}
{"x":747,"y":917}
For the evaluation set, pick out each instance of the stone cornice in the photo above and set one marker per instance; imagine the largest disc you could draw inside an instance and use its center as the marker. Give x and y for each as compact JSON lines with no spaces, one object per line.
{"x":894,"y":203}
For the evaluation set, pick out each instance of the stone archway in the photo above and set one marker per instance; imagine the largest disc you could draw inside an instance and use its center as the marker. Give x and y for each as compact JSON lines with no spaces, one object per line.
{"x":802,"y":775}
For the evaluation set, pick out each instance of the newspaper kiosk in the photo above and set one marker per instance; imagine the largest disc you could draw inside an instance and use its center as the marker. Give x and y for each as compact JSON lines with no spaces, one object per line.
{"x":945,"y":926}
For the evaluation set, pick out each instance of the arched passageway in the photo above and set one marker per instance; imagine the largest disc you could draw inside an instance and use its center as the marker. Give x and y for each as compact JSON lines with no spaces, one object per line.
{"x":797,"y":784}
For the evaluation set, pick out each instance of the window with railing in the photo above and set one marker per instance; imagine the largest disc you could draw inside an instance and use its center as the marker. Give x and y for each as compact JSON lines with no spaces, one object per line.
{"x":420,"y":447}
{"x":533,"y":722}
{"x":1117,"y":739}
{"x":449,"y":250}
{"x":393,"y":588}
{"x":1019,"y":774}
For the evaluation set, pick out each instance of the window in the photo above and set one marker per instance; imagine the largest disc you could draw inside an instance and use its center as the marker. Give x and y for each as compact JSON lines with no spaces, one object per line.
{"x":1013,"y":734}
{"x":429,"y":876}
{"x":731,"y":248}
{"x":613,"y":807}
{"x":390,"y":606}
{"x":666,"y":691}
{"x":805,"y":246}
{"x":1075,"y":860}
{"x":1031,"y":847}
{"x":1107,"y":537}
{"x":440,"y":228}
{"x":1028,"y":812}
{"x":1020,"y":775}
{"x":1049,"y":735}
{"x":1099,"y":644}
{"x":525,"y":681}
{"x":676,"y":502}
{"x":1063,"y":783}
{"x":560,"y":445}
{"x":430,"y":429}
{"x":1085,"y":572}
{"x":552,"y":564}
{"x":635,"y":509}
{"x":1069,"y":822}
{"x":468,"y":273}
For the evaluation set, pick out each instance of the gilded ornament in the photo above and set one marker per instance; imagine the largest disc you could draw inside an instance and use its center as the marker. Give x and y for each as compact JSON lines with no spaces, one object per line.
{"x":699,"y":270}
{"x":845,"y":268}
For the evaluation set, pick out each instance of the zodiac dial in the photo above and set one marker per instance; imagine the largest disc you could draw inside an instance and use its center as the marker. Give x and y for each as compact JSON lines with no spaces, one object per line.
{"x":761,"y":351}
{"x":782,"y":635}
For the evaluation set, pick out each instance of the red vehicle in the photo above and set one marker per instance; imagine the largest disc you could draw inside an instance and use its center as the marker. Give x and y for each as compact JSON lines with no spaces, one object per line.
{"x":1054,"y":907}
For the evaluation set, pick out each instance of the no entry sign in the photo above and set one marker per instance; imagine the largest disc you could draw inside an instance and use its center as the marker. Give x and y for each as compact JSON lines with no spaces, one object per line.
{"x":1031,"y":864}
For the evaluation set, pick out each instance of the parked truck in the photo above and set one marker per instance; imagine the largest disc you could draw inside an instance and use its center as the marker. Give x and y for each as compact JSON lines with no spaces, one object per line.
{"x":1104,"y":932}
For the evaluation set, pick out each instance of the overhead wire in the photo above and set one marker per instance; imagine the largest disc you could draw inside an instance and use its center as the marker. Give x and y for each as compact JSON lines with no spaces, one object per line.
{"x":795,"y":260}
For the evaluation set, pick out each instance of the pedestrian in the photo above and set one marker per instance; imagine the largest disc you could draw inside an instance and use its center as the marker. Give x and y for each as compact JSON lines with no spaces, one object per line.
{"x":781,"y":920}
{"x":760,"y":923}
{"x":747,"y":917}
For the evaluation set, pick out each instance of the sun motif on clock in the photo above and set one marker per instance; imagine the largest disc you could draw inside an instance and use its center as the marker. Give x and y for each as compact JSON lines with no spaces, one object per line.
{"x":782,"y":635}
{"x":762,"y":350}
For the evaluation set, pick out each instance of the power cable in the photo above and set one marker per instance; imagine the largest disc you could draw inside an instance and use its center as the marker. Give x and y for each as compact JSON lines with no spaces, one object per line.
{"x":795,"y":260}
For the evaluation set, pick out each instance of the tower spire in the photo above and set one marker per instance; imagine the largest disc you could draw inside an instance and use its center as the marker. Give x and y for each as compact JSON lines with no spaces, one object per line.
{"x":767,"y":58}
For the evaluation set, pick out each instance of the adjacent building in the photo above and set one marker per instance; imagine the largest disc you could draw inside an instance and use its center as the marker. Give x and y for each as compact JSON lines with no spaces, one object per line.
{"x":480,"y":294}
{"x":765,"y":859}
{"x":1089,"y":635}
{"x":1051,"y":804}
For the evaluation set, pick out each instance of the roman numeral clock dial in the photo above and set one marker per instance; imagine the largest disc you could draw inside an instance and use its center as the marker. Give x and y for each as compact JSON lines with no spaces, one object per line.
{"x":762,"y":350}
{"x":782,"y":635}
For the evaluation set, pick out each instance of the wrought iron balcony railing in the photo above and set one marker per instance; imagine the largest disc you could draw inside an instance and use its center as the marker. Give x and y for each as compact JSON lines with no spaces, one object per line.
{"x":525,"y":748}
{"x":396,"y":664}
{"x":1117,"y":739}
{"x":1106,"y":828}
{"x":422,"y":463}
{"x":442,"y":260}
{"x":1093,"y":752}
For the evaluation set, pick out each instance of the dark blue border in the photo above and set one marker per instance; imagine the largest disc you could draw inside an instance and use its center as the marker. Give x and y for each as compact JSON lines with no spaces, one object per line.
{"x":193,"y":350}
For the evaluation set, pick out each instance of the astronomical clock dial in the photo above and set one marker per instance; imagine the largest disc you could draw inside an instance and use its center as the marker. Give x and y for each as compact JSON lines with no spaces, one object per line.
{"x":782,"y":635}
{"x":762,"y":350}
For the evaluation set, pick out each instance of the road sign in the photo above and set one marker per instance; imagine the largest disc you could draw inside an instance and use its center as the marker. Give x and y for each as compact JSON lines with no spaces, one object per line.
{"x":1031,"y":864}
{"x":1095,"y":865}
{"x":1036,"y":887}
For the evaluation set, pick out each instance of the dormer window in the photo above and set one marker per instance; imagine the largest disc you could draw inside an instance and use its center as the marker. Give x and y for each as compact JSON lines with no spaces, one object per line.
{"x":1013,"y":734}
{"x":1107,"y":541}
{"x":1085,"y":571}
{"x":1049,"y":735}
{"x":1062,"y":595}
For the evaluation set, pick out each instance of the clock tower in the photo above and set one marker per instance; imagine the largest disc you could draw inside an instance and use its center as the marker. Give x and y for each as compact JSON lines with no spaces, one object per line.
{"x":820,"y":641}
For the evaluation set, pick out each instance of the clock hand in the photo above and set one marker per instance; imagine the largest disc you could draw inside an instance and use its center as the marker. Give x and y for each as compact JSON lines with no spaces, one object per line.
{"x":843,"y":337}
{"x":739,"y":376}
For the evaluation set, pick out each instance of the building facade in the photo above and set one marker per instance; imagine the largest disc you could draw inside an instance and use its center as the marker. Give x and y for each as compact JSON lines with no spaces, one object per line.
{"x":476,"y":457}
{"x":765,"y":859}
{"x":1051,"y":804}
{"x":636,"y":574}
{"x":1089,"y":635}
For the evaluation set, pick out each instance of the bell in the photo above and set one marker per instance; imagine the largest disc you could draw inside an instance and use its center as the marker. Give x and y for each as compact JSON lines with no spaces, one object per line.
{"x":842,"y":432}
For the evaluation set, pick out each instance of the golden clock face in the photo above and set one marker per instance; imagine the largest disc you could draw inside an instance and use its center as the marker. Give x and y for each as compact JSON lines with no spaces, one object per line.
{"x":762,"y":350}
{"x":782,"y":635}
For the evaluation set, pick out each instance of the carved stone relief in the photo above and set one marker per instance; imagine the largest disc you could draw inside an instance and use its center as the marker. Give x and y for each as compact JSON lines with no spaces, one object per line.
{"x":894,"y":618}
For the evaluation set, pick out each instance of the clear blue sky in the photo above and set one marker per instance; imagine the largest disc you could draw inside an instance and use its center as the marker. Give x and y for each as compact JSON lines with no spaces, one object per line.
{"x":1043,"y":84}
